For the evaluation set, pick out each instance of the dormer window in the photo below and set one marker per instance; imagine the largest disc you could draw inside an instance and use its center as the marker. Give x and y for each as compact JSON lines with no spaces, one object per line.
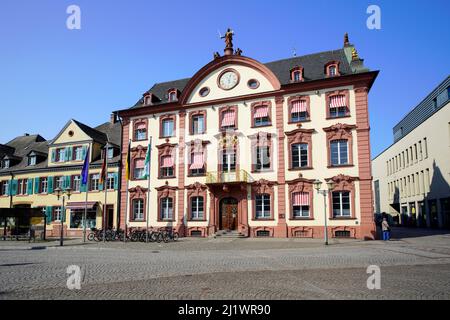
{"x":332,"y":69}
{"x":6,"y":164}
{"x":173,"y":95}
{"x":148,"y":99}
{"x":110,"y":153}
{"x":32,"y":160}
{"x":297,"y":74}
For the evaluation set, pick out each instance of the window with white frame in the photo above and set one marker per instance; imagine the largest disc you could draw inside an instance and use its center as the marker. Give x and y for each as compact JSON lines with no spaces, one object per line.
{"x":59,"y":182}
{"x":300,"y":205}
{"x":110,"y":181}
{"x":339,"y":152}
{"x":166,"y":208}
{"x":78,"y":153}
{"x":138,"y":209}
{"x":32,"y":160}
{"x":44,"y":185}
{"x":262,"y":158}
{"x":5,"y":188}
{"x":76,"y":183}
{"x":167,"y":128}
{"x":341,"y":203}
{"x":197,"y":208}
{"x":198,"y":124}
{"x":262,"y":205}
{"x":299,"y":155}
{"x":57,"y":214}
{"x":95,"y":182}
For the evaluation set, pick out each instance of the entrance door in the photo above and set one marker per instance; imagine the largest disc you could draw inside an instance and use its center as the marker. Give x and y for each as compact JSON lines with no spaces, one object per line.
{"x":228,"y":214}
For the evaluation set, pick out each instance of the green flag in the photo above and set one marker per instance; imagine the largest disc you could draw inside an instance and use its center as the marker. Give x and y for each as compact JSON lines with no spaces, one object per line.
{"x":147,"y":163}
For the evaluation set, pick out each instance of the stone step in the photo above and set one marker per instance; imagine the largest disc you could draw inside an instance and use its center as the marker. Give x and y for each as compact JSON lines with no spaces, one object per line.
{"x":229,"y":234}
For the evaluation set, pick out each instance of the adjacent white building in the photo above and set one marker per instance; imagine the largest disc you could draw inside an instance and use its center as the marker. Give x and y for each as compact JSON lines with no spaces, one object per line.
{"x":412,"y":176}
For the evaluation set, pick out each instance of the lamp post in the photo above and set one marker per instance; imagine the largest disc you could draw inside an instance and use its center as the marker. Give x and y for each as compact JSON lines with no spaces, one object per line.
{"x":62,"y":193}
{"x":330,"y":185}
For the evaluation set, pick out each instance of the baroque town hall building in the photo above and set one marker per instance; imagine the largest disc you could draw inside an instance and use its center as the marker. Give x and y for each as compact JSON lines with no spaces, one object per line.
{"x":239,"y":145}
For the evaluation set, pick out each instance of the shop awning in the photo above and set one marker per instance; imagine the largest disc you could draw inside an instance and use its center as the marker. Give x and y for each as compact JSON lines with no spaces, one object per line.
{"x":167,"y":162}
{"x":81,"y":205}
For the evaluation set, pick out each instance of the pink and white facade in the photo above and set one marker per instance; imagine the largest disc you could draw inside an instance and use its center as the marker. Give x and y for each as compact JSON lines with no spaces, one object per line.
{"x":238,"y":146}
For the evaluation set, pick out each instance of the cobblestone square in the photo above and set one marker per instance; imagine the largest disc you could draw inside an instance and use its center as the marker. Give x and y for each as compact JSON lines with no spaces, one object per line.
{"x":415,"y":265}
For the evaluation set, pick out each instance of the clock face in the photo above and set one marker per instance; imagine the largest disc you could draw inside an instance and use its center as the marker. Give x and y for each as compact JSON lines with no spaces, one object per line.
{"x":228,"y":80}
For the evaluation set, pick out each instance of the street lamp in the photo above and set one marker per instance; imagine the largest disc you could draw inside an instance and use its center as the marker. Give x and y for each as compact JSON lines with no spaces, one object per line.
{"x":317,"y":185}
{"x":59,"y":192}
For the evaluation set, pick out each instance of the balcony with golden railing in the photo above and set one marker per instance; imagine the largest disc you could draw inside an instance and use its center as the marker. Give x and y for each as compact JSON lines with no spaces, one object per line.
{"x":238,"y":176}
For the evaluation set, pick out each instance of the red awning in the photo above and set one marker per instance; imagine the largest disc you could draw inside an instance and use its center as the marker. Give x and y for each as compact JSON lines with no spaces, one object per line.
{"x":298,"y":106}
{"x":337,"y":101}
{"x":167,"y":162}
{"x":300,"y":199}
{"x":197,"y":161}
{"x":228,"y":118}
{"x":261,"y":112}
{"x":81,"y":205}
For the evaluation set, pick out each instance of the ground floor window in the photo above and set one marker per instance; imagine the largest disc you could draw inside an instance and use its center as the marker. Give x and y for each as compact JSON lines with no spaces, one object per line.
{"x":76,"y":218}
{"x":166,"y":209}
{"x":138,"y":209}
{"x":262,"y":206}
{"x":341,"y":204}
{"x":197,"y":208}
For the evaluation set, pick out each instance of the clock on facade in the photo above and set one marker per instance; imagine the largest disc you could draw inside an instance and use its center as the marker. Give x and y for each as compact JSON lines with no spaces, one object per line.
{"x":228,"y":79}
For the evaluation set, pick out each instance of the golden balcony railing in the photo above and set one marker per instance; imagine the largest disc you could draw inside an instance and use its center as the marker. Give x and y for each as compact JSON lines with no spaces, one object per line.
{"x":228,"y":177}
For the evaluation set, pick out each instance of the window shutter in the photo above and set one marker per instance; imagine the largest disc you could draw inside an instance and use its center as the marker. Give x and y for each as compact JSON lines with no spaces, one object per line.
{"x":70,"y":153}
{"x":100,"y":186}
{"x":116,"y":181}
{"x":50,"y":185}
{"x":68,"y":181}
{"x":53,"y":155}
{"x":48,"y":214}
{"x":63,"y":214}
{"x":83,"y":187}
{"x":30,"y":187}
{"x":36,"y":185}
{"x":83,"y":153}
{"x":8,"y":190}
{"x":14,"y":185}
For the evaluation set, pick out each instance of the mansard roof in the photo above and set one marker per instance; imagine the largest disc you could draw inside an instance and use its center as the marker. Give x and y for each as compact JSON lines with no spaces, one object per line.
{"x":312,"y":64}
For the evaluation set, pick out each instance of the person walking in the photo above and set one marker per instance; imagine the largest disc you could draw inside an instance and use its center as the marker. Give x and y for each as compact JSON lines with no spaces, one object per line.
{"x":386,"y":230}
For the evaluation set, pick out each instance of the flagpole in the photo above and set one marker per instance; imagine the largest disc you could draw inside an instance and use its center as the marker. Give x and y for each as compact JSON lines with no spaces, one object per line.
{"x":85,"y":211}
{"x":127,"y":177}
{"x":148,"y":185}
{"x":105,"y":186}
{"x":85,"y":178}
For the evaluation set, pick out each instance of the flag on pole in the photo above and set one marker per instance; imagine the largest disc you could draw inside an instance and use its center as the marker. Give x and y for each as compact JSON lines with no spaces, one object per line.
{"x":103,"y":172}
{"x":85,"y":170}
{"x":127,"y":162}
{"x":147,"y":163}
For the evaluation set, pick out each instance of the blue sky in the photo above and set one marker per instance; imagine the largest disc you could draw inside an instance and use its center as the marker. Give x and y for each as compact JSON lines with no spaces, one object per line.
{"x":49,"y":74}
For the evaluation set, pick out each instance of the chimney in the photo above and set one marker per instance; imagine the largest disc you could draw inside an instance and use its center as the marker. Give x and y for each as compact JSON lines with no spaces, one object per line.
{"x":26,"y":134}
{"x":113,"y":118}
